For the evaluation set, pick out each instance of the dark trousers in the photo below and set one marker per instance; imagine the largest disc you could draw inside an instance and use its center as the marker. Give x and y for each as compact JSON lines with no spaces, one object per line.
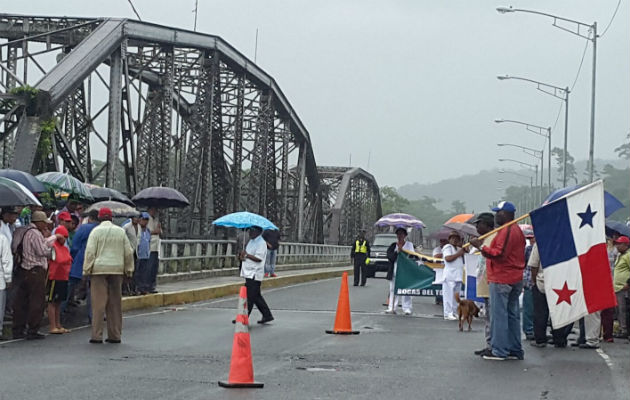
{"x":154,"y":263}
{"x":29,"y":300}
{"x":255,"y":297}
{"x":142,"y":275}
{"x":359,"y":269}
{"x":608,"y":316}
{"x":541,"y":317}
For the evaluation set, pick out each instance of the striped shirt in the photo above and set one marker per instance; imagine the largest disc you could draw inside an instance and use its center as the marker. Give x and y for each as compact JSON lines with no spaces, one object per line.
{"x":35,"y":251}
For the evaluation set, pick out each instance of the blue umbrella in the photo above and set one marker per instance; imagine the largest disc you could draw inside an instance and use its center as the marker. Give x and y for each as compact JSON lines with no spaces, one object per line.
{"x":244,"y":219}
{"x":611,"y":203}
{"x":618,"y":227}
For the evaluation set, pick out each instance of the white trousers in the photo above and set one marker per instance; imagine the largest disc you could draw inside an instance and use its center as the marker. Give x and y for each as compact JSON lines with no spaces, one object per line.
{"x":449,"y":288}
{"x":592,"y":328}
{"x":407,"y":303}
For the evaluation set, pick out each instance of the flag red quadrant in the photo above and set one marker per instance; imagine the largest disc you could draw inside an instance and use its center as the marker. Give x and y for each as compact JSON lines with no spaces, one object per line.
{"x":596,"y":279}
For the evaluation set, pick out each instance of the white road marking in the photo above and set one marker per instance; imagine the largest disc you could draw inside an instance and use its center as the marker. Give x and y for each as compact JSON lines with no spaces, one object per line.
{"x":605,"y":357}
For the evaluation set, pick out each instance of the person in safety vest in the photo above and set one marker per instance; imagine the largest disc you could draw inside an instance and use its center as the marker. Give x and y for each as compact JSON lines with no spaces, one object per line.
{"x":360,"y":252}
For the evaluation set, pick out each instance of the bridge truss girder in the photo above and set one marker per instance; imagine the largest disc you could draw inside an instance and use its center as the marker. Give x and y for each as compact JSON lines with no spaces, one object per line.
{"x":159,"y":106}
{"x":351,"y":202}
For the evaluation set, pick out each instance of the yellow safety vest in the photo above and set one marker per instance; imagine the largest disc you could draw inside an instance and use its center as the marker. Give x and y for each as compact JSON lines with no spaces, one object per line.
{"x":360,"y":248}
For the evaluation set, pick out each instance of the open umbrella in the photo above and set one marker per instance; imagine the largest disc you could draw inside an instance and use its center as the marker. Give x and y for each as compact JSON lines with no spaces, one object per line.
{"x":118,"y":209}
{"x":611,"y":203}
{"x":13,"y":193}
{"x":400,"y":220}
{"x":160,"y":197}
{"x":109,"y":194}
{"x":67,"y":183}
{"x":26,"y":179}
{"x":618,"y":227}
{"x":244,"y":219}
{"x":460,"y":224}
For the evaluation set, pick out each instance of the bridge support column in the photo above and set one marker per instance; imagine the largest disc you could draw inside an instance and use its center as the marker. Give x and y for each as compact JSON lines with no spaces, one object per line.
{"x":113,"y":123}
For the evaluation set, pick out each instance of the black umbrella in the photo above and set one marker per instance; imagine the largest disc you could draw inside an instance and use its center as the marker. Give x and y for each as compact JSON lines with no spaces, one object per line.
{"x":109,"y":194}
{"x":160,"y":197}
{"x":26,"y":179}
{"x":13,"y":193}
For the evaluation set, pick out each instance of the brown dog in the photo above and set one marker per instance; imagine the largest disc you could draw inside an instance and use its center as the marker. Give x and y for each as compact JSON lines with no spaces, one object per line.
{"x":466,"y":309}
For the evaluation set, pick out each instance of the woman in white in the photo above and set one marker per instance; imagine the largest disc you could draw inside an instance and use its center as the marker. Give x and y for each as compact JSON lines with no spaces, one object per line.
{"x":453,"y":256}
{"x":401,"y":244}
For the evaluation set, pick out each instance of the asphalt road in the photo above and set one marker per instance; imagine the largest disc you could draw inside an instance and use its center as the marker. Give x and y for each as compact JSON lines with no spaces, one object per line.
{"x":181,"y":353}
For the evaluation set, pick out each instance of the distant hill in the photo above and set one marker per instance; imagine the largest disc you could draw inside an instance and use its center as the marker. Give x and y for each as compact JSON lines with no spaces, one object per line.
{"x":480,"y":190}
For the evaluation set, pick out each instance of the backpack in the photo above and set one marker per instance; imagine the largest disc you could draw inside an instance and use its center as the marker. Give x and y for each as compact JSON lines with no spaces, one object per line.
{"x":17,"y":244}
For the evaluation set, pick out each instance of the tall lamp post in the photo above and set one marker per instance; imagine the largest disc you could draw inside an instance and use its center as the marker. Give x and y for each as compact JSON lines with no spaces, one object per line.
{"x":524,"y":164}
{"x":539,"y":130}
{"x":559,"y":93}
{"x":531,"y":152}
{"x":531,"y":185}
{"x":590,"y":34}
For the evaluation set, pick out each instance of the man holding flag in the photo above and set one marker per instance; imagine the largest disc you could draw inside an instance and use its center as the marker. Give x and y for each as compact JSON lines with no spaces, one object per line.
{"x":506,"y":255}
{"x":572,"y":248}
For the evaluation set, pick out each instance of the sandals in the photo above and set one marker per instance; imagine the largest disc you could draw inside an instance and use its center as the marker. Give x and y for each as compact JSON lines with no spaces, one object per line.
{"x":56,"y":331}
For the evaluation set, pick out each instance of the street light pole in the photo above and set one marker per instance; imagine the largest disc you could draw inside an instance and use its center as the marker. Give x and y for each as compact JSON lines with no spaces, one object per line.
{"x":559,"y":93}
{"x":539,"y":131}
{"x":535,"y":166}
{"x":593,"y":29}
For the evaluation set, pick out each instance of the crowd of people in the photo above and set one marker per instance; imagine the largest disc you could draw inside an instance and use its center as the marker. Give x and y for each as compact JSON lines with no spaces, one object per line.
{"x":51,"y":260}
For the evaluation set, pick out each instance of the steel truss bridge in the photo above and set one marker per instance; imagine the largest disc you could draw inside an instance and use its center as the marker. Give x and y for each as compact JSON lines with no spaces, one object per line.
{"x":166,"y":106}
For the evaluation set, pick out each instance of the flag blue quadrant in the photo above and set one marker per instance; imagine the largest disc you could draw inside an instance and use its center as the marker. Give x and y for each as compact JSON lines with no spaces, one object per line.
{"x":552,"y":228}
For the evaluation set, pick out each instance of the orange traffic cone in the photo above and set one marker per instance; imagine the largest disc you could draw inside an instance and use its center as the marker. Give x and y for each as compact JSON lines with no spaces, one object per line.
{"x":343,"y":324}
{"x":241,"y":366}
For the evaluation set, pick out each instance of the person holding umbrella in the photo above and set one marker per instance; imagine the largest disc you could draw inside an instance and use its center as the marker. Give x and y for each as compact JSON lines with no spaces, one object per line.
{"x":253,"y":269}
{"x":155,"y":228}
{"x":401,"y":245}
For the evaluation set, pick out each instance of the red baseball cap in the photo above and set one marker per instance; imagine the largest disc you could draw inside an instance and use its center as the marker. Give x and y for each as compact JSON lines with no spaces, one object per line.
{"x":104,"y":213}
{"x":62,"y":231}
{"x":623,"y":239}
{"x":64,"y":216}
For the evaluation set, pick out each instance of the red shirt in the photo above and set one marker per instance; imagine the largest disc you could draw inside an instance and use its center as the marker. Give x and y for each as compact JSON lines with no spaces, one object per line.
{"x":506,"y":256}
{"x":59,"y":268}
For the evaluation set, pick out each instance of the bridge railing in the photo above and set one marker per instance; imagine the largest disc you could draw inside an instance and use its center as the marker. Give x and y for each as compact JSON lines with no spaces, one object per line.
{"x":181,"y":256}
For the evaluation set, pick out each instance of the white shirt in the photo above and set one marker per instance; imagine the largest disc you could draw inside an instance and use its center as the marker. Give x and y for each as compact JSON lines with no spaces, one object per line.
{"x":407,"y":246}
{"x":6,"y":262}
{"x":437,"y":250}
{"x":251,"y":269}
{"x":453,"y":270}
{"x":6,"y":230}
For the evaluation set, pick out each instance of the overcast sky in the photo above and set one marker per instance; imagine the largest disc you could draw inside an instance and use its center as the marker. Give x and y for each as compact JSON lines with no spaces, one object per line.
{"x":411,"y":85}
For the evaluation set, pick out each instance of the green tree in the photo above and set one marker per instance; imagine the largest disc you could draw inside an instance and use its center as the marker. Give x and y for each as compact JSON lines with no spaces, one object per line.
{"x":458,"y":207}
{"x":426,"y":209}
{"x":392,"y":201}
{"x":623,"y":151}
{"x":558,"y":154}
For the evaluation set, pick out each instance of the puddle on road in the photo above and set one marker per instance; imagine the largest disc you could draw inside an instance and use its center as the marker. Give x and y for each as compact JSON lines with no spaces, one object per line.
{"x":318,"y":369}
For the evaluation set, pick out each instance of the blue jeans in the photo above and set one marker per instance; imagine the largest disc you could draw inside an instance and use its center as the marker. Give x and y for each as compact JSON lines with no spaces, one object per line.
{"x":270,"y":263}
{"x":528,"y":311}
{"x":505,"y":319}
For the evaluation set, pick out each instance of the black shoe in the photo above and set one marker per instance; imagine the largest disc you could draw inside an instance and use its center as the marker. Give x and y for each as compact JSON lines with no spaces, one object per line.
{"x":18,"y":336}
{"x":588,"y":346}
{"x":356,"y":284}
{"x":233,"y":321}
{"x":560,"y":345}
{"x":115,"y":341}
{"x":35,"y":336}
{"x":265,"y":320}
{"x":520,"y":357}
{"x":363,"y":284}
{"x":482,"y":351}
{"x":529,"y":336}
{"x":536,"y":344}
{"x":96,"y":341}
{"x":153,"y":291}
{"x":577,"y":344}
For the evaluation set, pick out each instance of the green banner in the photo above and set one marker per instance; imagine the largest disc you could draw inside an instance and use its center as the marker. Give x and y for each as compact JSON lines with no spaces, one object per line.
{"x":412,"y":279}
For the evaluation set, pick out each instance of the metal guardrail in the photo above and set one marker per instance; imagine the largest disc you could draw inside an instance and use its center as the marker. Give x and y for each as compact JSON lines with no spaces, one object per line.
{"x":182,"y":256}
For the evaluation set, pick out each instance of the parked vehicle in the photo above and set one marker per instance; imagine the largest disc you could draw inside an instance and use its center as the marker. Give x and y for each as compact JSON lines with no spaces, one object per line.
{"x":378,"y":254}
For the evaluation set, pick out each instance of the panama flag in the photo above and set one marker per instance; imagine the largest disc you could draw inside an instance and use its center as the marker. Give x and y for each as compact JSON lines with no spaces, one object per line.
{"x":570,"y":233}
